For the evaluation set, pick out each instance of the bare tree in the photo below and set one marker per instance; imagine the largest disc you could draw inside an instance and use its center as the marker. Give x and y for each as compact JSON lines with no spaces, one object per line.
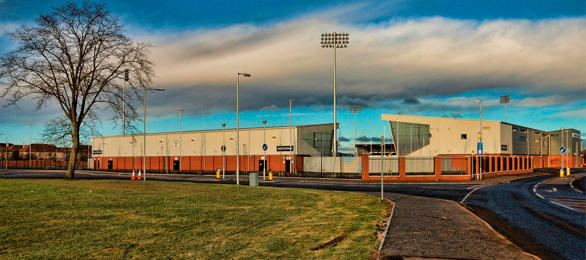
{"x":59,"y":131}
{"x":77,"y":57}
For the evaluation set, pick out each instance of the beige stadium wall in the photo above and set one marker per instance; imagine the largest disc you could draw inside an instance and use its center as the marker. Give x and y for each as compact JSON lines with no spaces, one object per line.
{"x":445,"y":134}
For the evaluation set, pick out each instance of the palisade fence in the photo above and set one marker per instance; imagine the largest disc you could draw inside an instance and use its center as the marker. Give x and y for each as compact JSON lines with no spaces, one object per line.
{"x":419,"y":166}
{"x":332,"y":164}
{"x":390,"y":166}
{"x":454,"y":166}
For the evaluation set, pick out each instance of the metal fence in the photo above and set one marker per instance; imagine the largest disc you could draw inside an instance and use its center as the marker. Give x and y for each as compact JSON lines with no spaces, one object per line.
{"x":376,"y":165}
{"x":454,"y":166}
{"x":419,"y":166}
{"x":332,"y":164}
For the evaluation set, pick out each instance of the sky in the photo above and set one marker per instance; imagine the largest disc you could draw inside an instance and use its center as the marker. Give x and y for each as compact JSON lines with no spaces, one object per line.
{"x":415,"y":57}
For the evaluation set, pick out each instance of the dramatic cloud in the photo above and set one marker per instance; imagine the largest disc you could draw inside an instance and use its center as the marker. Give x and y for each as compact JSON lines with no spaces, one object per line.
{"x":398,"y":59}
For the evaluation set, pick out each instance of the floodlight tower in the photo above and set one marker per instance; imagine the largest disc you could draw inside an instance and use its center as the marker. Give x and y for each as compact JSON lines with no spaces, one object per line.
{"x":335,"y":40}
{"x":505,"y":100}
{"x":355,"y":110}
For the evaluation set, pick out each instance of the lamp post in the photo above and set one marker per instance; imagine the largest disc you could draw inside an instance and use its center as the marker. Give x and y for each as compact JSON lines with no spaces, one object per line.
{"x":481,"y":162}
{"x":291,"y":136}
{"x":30,"y":147}
{"x":355,"y":110}
{"x":335,"y":40}
{"x":246,"y":75}
{"x":145,"y":130}
{"x":223,"y":150}
{"x":505,"y":100}
{"x":180,"y":143}
{"x":124,"y":102}
{"x":264,"y":162}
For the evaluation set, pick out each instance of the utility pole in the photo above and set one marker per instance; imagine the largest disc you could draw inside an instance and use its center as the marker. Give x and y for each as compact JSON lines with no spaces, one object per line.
{"x":180,"y":141}
{"x":355,"y":110}
{"x":291,"y":135}
{"x":124,"y":102}
{"x":480,"y":157}
{"x":243,"y":74}
{"x":223,"y":150}
{"x":30,"y":147}
{"x":264,"y":162}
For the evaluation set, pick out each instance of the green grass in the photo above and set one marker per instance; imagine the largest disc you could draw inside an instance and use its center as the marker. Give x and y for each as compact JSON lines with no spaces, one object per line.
{"x":124,"y":219}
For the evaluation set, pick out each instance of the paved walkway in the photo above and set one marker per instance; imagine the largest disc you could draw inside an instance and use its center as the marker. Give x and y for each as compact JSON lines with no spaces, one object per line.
{"x":434,"y":228}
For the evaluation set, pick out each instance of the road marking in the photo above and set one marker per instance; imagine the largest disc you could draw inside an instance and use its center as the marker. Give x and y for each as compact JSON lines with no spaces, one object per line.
{"x":578,"y":205}
{"x":463,"y":201}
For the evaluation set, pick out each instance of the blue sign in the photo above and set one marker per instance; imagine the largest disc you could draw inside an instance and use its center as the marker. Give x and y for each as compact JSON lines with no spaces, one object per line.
{"x":265,"y":147}
{"x":563,"y":149}
{"x":479,"y":149}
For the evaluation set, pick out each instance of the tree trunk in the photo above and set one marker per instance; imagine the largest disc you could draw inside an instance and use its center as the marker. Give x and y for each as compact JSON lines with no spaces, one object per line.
{"x":73,"y":154}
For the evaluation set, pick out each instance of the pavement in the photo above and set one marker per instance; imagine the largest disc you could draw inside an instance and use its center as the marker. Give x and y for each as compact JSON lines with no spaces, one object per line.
{"x":429,"y":221}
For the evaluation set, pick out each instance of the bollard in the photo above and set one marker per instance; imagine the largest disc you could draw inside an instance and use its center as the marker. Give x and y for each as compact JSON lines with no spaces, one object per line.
{"x":270,"y":175}
{"x":561,"y":172}
{"x":218,"y":174}
{"x":568,"y":171}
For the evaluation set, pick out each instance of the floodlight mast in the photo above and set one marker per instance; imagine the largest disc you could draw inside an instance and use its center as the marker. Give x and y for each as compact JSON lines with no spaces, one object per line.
{"x":505,"y":100}
{"x":335,"y":40}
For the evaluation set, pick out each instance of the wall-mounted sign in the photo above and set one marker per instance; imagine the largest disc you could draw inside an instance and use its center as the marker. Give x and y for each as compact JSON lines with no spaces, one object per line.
{"x":97,"y":152}
{"x":285,"y":148}
{"x":504,"y":147}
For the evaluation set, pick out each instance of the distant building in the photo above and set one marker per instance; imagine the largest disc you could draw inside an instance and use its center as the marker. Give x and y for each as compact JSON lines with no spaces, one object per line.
{"x":432,"y":136}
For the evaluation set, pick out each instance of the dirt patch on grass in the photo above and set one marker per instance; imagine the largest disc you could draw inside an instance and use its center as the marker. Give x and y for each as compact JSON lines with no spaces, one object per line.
{"x":332,"y":242}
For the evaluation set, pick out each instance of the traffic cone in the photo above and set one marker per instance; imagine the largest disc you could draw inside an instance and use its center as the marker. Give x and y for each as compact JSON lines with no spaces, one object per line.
{"x":133,"y":178}
{"x":139,"y":177}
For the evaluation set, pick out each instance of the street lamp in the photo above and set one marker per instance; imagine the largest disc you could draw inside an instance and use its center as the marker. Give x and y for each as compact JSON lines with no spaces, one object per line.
{"x":180,"y":143}
{"x":505,"y":100}
{"x":145,"y":129}
{"x":335,"y":40}
{"x":264,"y":163}
{"x":246,"y":75}
{"x":124,"y":102}
{"x":355,"y":110}
{"x":291,"y":136}
{"x":481,"y":162}
{"x":223,"y":150}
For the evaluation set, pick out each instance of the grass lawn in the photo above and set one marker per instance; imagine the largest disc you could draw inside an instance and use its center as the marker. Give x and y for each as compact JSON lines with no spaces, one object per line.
{"x":124,"y":219}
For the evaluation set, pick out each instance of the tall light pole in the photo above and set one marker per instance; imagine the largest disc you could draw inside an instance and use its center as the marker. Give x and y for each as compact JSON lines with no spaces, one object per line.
{"x":124,"y":102}
{"x":246,"y":75}
{"x":223,"y":150}
{"x":505,"y":100}
{"x":264,"y":162}
{"x":481,"y":162}
{"x":335,"y":40}
{"x":355,"y":110}
{"x":561,"y":153}
{"x":180,"y":142}
{"x":145,"y":129}
{"x":291,"y":135}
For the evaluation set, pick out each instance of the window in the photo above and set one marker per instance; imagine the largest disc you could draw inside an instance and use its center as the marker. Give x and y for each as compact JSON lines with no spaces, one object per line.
{"x":463,"y":136}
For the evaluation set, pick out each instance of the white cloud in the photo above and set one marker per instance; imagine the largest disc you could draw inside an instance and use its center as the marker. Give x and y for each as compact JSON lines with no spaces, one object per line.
{"x":420,"y":57}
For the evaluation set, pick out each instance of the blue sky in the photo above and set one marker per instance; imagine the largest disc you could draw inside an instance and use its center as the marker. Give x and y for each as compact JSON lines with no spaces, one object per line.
{"x":415,"y":57}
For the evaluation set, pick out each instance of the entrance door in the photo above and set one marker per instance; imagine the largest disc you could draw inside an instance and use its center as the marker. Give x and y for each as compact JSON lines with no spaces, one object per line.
{"x":110,"y":164}
{"x":175,"y":165}
{"x":261,"y":165}
{"x":287,"y":165}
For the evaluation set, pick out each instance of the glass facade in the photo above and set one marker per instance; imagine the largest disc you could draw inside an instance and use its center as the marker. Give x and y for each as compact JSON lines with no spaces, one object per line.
{"x":409,"y":137}
{"x":321,"y":141}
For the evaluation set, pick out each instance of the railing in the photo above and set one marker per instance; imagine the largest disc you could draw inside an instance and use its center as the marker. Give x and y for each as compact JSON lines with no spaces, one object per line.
{"x":390,"y":166}
{"x":454,"y":166}
{"x":419,"y":166}
{"x":332,"y":164}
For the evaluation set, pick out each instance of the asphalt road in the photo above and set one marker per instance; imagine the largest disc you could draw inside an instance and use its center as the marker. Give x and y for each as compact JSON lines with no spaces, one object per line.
{"x":538,"y":224}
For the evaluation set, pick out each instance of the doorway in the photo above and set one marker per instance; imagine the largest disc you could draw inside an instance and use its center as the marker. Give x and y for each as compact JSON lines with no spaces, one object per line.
{"x":175,"y":165}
